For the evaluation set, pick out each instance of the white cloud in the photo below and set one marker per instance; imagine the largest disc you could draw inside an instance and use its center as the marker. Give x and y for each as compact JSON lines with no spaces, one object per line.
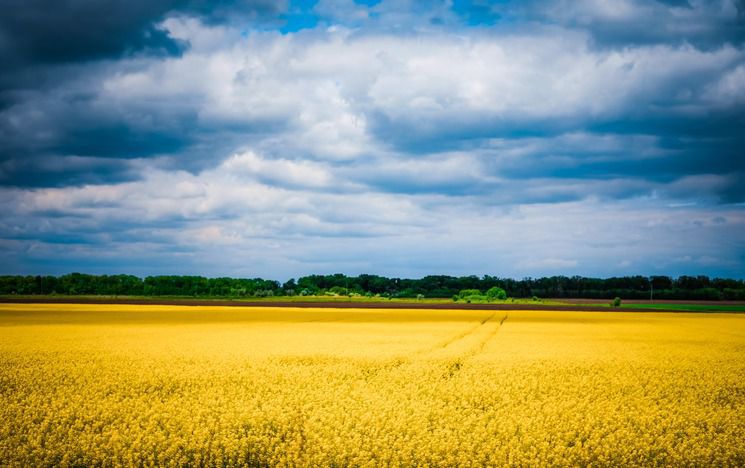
{"x":282,"y":171}
{"x":222,"y":223}
{"x":324,"y":93}
{"x":374,"y":151}
{"x":729,"y":90}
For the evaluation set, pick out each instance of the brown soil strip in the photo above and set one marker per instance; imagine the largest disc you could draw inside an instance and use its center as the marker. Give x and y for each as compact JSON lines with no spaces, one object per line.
{"x":647,"y":301}
{"x":585,"y":307}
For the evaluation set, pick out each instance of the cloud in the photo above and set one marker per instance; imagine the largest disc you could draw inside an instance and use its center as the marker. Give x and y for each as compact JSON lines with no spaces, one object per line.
{"x":463,"y":137}
{"x":43,"y":171}
{"x":342,"y":96}
{"x":282,"y":172}
{"x":219,"y":222}
{"x":618,"y":24}
{"x":561,"y":264}
{"x":32,"y":33}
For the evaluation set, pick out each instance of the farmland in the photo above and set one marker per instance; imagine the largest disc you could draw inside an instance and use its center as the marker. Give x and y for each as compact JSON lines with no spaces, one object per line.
{"x":148,"y":384}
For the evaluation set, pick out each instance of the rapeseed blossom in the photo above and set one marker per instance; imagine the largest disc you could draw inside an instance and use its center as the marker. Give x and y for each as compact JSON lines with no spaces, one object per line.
{"x":167,"y":385}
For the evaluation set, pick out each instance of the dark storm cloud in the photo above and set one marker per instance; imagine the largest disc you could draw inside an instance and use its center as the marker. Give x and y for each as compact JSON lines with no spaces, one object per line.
{"x":35,"y":34}
{"x":706,"y":24}
{"x":681,"y":146}
{"x":55,"y":171}
{"x":59,"y":137}
{"x":49,"y":113}
{"x":432,"y":133}
{"x":39,"y":31}
{"x":119,"y":141}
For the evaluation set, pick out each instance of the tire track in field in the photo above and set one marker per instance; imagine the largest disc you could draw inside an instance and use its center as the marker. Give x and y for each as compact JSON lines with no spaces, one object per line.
{"x":411,"y":357}
{"x":482,"y":345}
{"x":455,"y":366}
{"x":453,"y":341}
{"x":459,"y":336}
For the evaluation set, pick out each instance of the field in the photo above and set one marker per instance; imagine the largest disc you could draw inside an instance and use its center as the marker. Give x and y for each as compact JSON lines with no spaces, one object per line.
{"x":690,"y":307}
{"x":174,"y":385}
{"x":385,"y":303}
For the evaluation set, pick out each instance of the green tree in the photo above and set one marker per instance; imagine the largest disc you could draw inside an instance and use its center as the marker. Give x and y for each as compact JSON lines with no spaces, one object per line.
{"x":496,"y":293}
{"x":469,"y":292}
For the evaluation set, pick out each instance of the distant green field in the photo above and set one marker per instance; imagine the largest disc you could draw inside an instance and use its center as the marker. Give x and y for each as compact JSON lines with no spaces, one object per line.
{"x":689,"y":307}
{"x":710,"y":307}
{"x":353,"y":299}
{"x":360,"y":299}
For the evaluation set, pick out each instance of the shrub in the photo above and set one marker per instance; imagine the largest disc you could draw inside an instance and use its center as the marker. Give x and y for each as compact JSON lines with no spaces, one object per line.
{"x":469,"y":292}
{"x":616,"y":302}
{"x":496,"y":293}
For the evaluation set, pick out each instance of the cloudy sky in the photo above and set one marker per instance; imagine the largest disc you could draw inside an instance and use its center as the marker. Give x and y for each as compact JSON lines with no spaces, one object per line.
{"x":404,"y":138}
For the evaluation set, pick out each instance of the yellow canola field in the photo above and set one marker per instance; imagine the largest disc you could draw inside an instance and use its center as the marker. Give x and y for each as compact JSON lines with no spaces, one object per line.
{"x":167,"y":385}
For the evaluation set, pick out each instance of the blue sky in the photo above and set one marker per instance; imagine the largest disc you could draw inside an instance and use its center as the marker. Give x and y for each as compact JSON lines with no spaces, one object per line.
{"x":404,"y":138}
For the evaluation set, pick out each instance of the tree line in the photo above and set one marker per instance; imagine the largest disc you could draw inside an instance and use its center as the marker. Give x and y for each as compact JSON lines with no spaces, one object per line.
{"x":434,"y":286}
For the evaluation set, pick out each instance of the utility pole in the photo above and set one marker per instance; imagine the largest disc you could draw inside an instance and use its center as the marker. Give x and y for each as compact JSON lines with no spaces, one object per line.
{"x":651,"y":289}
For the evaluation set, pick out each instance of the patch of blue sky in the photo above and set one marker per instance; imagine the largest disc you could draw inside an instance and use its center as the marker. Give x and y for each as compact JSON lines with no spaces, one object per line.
{"x":299,"y":16}
{"x":476,"y":12}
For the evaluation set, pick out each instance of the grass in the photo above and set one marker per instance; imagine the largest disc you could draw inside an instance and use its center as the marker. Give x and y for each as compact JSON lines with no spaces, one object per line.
{"x":350,"y":299}
{"x":121,"y":384}
{"x":690,"y":307}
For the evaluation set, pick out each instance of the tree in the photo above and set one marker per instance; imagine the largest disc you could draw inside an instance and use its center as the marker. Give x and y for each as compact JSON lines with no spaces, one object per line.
{"x":289,"y":287}
{"x":496,"y":293}
{"x":469,"y":292}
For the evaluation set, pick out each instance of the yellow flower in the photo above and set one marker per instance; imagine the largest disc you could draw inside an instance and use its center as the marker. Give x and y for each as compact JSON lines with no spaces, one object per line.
{"x":162,"y":385}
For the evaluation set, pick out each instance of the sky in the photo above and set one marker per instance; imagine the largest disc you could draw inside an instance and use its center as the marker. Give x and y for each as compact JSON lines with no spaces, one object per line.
{"x":258,"y":138}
